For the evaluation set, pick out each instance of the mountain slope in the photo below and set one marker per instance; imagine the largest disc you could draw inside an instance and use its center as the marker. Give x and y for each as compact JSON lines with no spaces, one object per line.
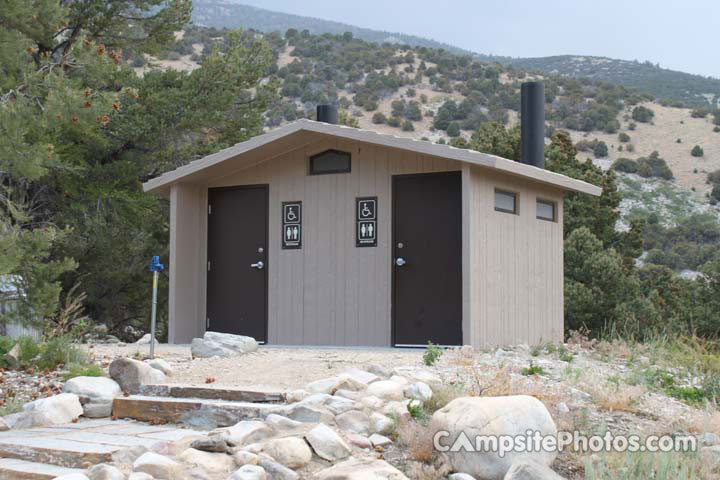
{"x":219,"y":14}
{"x":691,"y":90}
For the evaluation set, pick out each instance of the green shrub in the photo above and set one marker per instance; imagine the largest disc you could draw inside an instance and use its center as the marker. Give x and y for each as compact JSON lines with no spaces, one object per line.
{"x":642,"y":114}
{"x":416,"y":411}
{"x":12,"y":405}
{"x":393,"y":121}
{"x":379,"y":118}
{"x":654,"y":166}
{"x":453,"y":130}
{"x":432,"y":354}
{"x":697,"y":151}
{"x":626,"y":165}
{"x":716,"y":129}
{"x":623,"y":137}
{"x":407,"y":126}
{"x":600,"y":150}
{"x":532,"y":370}
{"x":83,"y":370}
{"x":60,"y":351}
{"x":29,"y":349}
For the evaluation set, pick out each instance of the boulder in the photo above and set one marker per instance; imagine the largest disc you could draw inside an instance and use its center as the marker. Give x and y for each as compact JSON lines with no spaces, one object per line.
{"x":162,"y":365}
{"x":333,"y":384}
{"x":474,"y":416}
{"x":131,"y":374}
{"x":338,"y":405}
{"x":157,"y":466}
{"x":104,"y":472}
{"x":140,"y":476}
{"x":361,"y":469}
{"x":397,"y":410}
{"x":73,"y":476}
{"x":200,"y":348}
{"x":145,"y":340}
{"x":58,"y":409}
{"x":4,"y":427}
{"x":296,"y":396}
{"x":420,"y":391}
{"x":278,"y":421}
{"x":386,"y":390}
{"x":309,"y":413}
{"x":381,"y":424}
{"x":380,"y":370}
{"x":372,"y":402}
{"x":12,"y":358}
{"x":360,"y":376}
{"x":327,"y":444}
{"x":277,"y":471}
{"x":243,"y":433}
{"x":22,"y":420}
{"x":237,"y":343}
{"x":360,"y":441}
{"x":210,"y":444}
{"x":99,"y":392}
{"x":292,"y":452}
{"x":399,"y":379}
{"x":379,"y":440}
{"x":460,"y":476}
{"x":354,"y":421}
{"x":209,"y":462}
{"x":249,"y":472}
{"x":528,"y":469}
{"x":424,"y":376}
{"x":242,"y":457}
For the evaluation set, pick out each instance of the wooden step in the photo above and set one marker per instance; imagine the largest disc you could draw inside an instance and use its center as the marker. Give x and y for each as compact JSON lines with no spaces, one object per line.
{"x":229,"y":394}
{"x":195,"y":412}
{"x":16,"y":469}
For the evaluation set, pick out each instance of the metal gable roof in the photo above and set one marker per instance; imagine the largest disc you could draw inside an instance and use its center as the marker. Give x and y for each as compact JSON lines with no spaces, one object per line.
{"x":185,"y":173}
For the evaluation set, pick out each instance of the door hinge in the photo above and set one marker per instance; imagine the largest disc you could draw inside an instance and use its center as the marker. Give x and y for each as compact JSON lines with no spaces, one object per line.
{"x":209,"y":265}
{"x":209,"y":209}
{"x":207,"y":323}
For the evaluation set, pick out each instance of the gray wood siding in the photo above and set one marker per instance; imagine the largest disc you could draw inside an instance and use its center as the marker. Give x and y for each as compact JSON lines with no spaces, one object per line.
{"x":516,"y":264}
{"x":330,"y":292}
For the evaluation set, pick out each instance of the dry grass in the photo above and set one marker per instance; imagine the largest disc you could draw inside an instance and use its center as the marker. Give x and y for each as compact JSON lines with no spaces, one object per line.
{"x":620,"y":399}
{"x":418,"y":439}
{"x":423,"y":471}
{"x":707,"y":421}
{"x":444,"y":395}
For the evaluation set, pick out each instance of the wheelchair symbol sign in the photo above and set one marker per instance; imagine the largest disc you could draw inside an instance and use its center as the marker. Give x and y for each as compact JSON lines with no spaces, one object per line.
{"x":292,"y":213}
{"x":366,"y":209}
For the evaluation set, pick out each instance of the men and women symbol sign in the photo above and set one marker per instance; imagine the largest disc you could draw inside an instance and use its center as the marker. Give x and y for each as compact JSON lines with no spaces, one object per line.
{"x":365,"y":220}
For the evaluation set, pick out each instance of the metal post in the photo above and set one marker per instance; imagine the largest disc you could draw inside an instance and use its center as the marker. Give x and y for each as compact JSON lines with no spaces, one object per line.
{"x":155,"y":267}
{"x":156,"y":274}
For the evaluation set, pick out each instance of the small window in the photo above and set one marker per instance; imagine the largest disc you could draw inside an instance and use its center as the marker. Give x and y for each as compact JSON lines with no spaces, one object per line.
{"x":330,"y":161}
{"x":546,"y":210}
{"x":505,"y":201}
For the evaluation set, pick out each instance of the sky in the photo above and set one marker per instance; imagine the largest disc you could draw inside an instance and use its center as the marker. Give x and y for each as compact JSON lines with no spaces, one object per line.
{"x":680,"y":35}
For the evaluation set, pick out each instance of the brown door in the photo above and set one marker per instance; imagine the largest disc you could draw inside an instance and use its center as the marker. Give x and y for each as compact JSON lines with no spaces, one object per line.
{"x":427,"y":259}
{"x":237,"y":261}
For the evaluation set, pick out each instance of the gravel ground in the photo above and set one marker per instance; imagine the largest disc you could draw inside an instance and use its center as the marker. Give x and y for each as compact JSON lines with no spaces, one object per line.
{"x":269,"y":368}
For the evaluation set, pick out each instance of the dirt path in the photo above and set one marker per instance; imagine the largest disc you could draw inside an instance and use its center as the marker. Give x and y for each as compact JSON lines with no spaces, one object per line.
{"x":269,"y":367}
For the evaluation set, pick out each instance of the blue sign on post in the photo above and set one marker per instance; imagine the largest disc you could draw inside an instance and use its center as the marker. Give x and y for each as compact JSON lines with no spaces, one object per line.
{"x":155,"y":265}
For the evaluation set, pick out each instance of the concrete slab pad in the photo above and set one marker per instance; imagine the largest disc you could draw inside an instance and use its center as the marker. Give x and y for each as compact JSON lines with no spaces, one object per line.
{"x":16,"y":469}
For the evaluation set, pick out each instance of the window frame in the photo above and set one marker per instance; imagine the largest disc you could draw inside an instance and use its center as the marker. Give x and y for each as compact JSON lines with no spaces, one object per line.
{"x":552,"y":203}
{"x":516,"y":196}
{"x":311,"y":162}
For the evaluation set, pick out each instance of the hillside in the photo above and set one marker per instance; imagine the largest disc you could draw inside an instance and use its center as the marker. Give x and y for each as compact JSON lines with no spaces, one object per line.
{"x":436,"y":95}
{"x":662,"y":84}
{"x":219,"y":14}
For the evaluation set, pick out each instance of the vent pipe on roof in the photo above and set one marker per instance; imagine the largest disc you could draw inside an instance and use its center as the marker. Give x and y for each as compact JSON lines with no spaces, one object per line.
{"x":532,"y":123}
{"x":327,"y":114}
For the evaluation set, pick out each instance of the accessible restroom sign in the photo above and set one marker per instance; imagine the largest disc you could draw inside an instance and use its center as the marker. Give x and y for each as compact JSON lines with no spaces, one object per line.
{"x":292,"y":225}
{"x":366,"y":222}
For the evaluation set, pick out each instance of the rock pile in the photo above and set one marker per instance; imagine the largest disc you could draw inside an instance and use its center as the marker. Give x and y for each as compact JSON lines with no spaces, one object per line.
{"x":215,"y":344}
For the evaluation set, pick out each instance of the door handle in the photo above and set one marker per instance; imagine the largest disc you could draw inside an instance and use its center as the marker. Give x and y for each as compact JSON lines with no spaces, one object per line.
{"x":259,"y":265}
{"x":400,"y":261}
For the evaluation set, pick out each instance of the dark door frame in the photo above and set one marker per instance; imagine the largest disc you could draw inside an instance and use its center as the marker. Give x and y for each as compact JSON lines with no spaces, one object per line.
{"x":393,"y":316}
{"x":266,"y":188}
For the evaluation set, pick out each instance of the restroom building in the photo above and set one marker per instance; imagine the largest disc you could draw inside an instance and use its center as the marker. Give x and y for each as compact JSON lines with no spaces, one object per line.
{"x":319,"y":234}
